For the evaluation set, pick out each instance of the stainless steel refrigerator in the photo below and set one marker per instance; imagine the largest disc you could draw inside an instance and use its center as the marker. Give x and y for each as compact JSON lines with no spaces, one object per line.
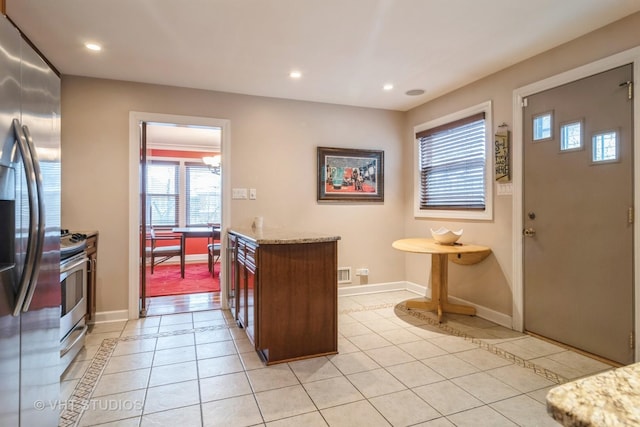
{"x":29,"y":234}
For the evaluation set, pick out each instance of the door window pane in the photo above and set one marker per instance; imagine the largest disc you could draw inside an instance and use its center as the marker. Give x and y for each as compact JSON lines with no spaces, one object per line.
{"x":605,"y":147}
{"x":571,"y":136}
{"x":542,"y":126}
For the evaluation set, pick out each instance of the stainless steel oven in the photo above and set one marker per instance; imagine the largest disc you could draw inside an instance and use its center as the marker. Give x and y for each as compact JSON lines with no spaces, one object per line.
{"x":73,"y":284}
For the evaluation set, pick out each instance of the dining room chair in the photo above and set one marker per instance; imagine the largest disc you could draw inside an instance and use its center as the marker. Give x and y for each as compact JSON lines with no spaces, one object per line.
{"x":213,"y":248}
{"x":162,"y":253}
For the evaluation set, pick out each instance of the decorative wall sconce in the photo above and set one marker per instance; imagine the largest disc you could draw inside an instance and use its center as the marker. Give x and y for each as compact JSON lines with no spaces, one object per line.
{"x":214,"y":163}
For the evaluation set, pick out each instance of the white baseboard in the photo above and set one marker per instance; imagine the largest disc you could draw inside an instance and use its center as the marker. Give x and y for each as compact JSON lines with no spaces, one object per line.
{"x":481,"y":311}
{"x":111,"y":316}
{"x":344,"y":291}
{"x":487,"y":313}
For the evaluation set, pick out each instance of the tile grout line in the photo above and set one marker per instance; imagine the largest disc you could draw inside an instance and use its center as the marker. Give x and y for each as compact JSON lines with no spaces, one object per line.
{"x":79,"y":399}
{"x":544,"y":372}
{"x":492,"y":348}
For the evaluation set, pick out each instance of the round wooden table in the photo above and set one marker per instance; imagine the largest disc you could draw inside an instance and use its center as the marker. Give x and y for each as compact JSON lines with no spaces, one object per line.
{"x":440,"y":254}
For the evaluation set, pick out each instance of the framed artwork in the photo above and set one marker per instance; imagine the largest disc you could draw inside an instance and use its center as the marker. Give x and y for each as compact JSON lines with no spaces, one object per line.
{"x":350,"y":175}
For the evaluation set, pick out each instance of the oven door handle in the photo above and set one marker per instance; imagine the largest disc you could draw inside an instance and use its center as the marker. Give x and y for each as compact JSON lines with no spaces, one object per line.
{"x":74,"y":265}
{"x":83,"y":331}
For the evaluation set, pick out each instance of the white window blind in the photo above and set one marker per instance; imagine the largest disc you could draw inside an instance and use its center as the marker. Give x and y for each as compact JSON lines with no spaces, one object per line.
{"x":452,"y":165}
{"x":162,"y":192}
{"x":203,"y":195}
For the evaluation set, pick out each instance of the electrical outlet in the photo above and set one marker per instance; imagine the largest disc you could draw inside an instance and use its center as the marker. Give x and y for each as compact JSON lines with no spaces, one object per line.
{"x":252,"y":194}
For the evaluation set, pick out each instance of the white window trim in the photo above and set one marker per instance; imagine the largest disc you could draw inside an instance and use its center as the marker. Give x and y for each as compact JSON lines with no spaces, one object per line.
{"x":487,"y":213}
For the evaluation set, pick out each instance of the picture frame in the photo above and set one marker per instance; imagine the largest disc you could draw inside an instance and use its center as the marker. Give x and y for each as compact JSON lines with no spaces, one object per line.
{"x":350,"y":175}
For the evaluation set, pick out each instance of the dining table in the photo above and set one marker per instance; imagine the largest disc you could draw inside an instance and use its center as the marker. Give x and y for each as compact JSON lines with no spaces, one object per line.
{"x":187,"y":232}
{"x":459,"y":253}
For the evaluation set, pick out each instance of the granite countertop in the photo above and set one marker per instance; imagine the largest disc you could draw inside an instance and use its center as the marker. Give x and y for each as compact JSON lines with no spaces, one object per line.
{"x":611,"y":398}
{"x":279,"y":236}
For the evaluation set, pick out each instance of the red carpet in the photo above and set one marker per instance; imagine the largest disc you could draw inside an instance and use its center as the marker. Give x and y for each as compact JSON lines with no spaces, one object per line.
{"x":166,"y":280}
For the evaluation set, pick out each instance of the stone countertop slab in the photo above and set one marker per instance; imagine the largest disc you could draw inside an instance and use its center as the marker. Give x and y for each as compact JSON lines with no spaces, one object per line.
{"x":611,"y":398}
{"x":279,"y":236}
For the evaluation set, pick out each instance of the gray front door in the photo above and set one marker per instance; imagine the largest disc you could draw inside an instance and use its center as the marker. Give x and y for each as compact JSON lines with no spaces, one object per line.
{"x":578,"y":222}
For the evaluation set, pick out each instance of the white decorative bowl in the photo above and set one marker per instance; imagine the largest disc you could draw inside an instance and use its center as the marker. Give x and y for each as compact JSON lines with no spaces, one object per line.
{"x":444,"y":236}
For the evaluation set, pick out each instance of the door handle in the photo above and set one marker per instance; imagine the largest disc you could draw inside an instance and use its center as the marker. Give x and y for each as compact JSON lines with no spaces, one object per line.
{"x":32,"y":198}
{"x":41,"y":217}
{"x":529,"y":232}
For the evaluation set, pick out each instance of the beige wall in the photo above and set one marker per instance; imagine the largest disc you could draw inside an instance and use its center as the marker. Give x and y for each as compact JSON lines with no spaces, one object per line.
{"x":273,"y":149}
{"x":489,"y":283}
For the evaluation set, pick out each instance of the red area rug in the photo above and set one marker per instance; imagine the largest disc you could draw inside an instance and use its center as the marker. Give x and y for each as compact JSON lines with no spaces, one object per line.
{"x":166,"y":280}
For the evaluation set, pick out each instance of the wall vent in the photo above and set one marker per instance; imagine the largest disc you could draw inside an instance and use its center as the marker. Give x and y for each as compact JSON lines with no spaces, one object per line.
{"x":344,"y":275}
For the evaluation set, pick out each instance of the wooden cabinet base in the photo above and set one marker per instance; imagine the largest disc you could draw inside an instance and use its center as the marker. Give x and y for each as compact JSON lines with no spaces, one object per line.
{"x":264,"y":355}
{"x":92,"y":265}
{"x":289,"y":298}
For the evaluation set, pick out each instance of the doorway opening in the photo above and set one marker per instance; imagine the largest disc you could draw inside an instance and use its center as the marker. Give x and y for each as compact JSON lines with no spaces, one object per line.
{"x":183,"y":216}
{"x":177,"y":213}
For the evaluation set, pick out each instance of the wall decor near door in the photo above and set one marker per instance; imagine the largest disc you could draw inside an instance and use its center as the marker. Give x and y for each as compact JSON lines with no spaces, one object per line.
{"x":503,"y":171}
{"x":350,"y":175}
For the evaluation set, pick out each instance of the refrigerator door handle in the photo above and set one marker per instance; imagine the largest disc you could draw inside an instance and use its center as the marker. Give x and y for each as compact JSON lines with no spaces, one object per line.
{"x":41,"y":219}
{"x":30,"y":255}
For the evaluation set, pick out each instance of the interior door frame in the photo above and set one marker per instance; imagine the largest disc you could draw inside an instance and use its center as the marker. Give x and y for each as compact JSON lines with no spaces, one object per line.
{"x":135,"y":118}
{"x":519,"y":94}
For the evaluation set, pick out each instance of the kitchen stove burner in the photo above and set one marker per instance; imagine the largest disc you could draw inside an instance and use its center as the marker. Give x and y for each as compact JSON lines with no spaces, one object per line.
{"x":71,"y":243}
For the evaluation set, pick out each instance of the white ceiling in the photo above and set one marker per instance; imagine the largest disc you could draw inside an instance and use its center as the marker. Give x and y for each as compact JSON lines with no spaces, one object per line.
{"x":346,"y":49}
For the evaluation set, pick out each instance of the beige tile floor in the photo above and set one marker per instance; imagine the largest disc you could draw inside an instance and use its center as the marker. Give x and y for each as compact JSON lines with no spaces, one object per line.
{"x":394,"y":367}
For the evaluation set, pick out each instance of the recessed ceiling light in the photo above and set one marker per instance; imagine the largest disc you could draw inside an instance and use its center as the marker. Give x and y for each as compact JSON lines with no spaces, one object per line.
{"x":93,"y":46}
{"x":295,"y":74}
{"x":388,"y":86}
{"x":414,"y":92}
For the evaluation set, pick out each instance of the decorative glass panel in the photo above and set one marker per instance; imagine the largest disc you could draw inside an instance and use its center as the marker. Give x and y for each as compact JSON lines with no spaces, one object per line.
{"x":605,"y":147}
{"x":571,"y":136}
{"x":542,"y":126}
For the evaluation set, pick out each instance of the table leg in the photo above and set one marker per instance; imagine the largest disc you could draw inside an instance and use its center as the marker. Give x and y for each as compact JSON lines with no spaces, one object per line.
{"x":447,"y":306}
{"x":439,"y":291}
{"x":183,"y":250}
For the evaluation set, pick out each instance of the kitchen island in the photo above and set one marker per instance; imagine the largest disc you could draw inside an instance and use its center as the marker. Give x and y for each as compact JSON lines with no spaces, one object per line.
{"x":611,"y":398}
{"x":286,"y":291}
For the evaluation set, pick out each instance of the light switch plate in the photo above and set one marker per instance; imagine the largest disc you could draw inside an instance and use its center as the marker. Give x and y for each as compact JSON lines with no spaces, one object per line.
{"x":239,"y":193}
{"x":252,"y":194}
{"x":505,"y":189}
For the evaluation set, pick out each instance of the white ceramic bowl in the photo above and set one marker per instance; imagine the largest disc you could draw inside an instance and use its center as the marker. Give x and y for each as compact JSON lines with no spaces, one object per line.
{"x":444,"y":236}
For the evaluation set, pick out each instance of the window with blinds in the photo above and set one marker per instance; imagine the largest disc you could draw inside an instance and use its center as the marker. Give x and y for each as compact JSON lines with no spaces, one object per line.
{"x":453,"y":166}
{"x":202,"y":195}
{"x":163,"y":192}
